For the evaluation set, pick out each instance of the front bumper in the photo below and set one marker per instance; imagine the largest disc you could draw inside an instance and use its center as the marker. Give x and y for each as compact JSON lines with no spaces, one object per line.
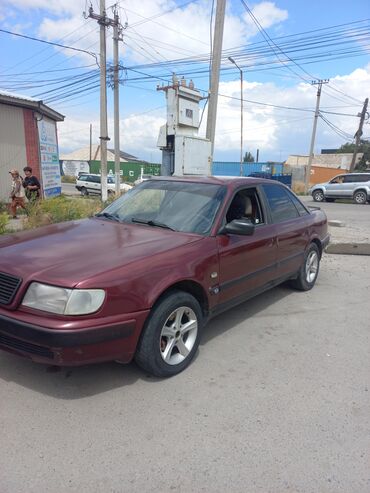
{"x":71,"y":347}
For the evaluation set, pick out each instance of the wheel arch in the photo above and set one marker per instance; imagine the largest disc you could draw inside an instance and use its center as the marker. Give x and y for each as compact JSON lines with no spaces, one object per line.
{"x":191,"y":287}
{"x":360,"y":189}
{"x":318,"y":243}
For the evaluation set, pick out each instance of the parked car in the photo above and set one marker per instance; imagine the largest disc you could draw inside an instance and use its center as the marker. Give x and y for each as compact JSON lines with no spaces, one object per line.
{"x":354,"y":186}
{"x":88,"y":183}
{"x":141,"y":278}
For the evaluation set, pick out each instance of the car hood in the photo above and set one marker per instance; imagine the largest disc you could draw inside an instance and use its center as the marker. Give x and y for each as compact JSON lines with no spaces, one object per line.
{"x":67,"y":253}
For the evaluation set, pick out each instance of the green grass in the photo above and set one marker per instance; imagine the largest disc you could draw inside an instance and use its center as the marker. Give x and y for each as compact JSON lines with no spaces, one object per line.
{"x":4,"y":219}
{"x":60,"y":209}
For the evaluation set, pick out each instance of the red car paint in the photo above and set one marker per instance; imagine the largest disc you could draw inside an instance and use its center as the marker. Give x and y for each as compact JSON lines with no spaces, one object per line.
{"x":135,"y":264}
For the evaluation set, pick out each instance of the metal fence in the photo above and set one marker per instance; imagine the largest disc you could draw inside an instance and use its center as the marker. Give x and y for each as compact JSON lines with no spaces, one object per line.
{"x":262,"y":170}
{"x":223,"y":168}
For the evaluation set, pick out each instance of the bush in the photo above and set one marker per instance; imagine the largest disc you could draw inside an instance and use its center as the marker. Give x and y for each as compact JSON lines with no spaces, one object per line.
{"x":60,"y":209}
{"x":3,"y":222}
{"x":68,"y":179}
{"x":4,"y":207}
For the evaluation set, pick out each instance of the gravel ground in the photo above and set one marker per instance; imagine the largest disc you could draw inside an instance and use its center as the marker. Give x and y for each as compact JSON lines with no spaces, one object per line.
{"x":277,"y":400}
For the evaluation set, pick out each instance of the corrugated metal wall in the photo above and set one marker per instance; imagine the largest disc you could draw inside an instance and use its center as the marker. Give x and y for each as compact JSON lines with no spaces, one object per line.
{"x":130,"y":170}
{"x":12,"y":146}
{"x":223,"y":168}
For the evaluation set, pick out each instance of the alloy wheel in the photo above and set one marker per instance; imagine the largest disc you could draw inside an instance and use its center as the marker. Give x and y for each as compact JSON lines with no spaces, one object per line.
{"x":312,"y":266}
{"x":360,"y":197}
{"x":178,"y":335}
{"x":318,"y":196}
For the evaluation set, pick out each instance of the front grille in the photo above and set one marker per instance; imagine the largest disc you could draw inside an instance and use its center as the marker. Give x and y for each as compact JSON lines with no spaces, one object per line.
{"x":8,"y":287}
{"x":26,"y":347}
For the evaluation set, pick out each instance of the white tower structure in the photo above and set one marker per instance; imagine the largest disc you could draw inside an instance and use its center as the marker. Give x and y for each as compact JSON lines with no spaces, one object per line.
{"x":183,"y":152}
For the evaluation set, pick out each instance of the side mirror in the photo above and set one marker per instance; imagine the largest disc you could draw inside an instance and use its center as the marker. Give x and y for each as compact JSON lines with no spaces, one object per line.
{"x":238,"y":227}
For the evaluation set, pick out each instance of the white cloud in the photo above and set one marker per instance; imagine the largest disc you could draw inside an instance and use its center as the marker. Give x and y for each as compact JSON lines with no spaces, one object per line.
{"x":185,"y":31}
{"x":268,"y":14}
{"x":180,"y":32}
{"x":276,"y":132}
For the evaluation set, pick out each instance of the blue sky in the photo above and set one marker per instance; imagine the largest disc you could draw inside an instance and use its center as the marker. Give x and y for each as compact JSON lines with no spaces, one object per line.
{"x":154,"y":36}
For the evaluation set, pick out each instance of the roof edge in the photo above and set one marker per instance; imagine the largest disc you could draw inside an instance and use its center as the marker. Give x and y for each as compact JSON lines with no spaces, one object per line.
{"x":32,"y":105}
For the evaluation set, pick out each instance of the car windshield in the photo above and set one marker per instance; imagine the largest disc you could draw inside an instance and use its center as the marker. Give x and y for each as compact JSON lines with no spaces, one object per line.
{"x":180,"y":206}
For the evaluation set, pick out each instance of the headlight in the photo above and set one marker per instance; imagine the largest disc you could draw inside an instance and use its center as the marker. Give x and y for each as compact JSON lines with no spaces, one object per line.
{"x":64,"y":301}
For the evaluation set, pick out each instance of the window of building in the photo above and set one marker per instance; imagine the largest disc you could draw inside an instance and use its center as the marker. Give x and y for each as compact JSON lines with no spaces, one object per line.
{"x":189,"y":113}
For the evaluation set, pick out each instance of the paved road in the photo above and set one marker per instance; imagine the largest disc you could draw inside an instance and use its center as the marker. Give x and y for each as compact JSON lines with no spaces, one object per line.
{"x":277,"y":400}
{"x":352,"y":214}
{"x":70,"y":189}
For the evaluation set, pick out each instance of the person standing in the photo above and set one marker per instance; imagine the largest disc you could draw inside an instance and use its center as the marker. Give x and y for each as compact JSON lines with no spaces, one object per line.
{"x":31,"y":185}
{"x":16,"y":193}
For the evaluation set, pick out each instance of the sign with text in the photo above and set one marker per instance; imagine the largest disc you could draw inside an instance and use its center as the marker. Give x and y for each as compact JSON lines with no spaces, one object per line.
{"x":50,"y":169}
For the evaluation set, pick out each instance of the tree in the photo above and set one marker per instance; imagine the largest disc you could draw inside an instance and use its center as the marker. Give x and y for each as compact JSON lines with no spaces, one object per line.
{"x":248,"y":158}
{"x":364,"y":147}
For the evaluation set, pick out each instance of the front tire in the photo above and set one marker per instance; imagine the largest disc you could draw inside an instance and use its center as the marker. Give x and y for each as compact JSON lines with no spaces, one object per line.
{"x":318,"y":196}
{"x":360,"y":197}
{"x":309,"y":270}
{"x":171,"y":335}
{"x":84,"y":192}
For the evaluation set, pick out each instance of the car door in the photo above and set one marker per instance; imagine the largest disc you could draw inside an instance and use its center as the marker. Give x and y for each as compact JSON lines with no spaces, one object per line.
{"x":291,"y":219}
{"x":335,"y":187}
{"x":247,"y":263}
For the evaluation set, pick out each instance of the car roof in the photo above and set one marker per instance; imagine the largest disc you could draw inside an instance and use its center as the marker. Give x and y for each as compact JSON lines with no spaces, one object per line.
{"x":235,"y":181}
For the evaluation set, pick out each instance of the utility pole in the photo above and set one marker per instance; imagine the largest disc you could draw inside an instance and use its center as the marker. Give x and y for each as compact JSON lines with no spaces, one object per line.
{"x":104,"y":22}
{"x":215,"y":73}
{"x":90,"y":144}
{"x":358,"y":134}
{"x":241,"y":113}
{"x":117,"y":153}
{"x":318,"y":83}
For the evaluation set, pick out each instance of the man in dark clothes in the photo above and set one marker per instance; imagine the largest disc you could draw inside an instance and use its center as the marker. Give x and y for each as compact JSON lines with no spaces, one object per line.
{"x":31,"y":185}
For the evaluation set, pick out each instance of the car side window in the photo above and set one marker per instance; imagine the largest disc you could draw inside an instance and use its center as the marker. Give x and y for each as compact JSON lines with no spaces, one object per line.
{"x":350,"y":179}
{"x":281,"y":205}
{"x":245,"y":204}
{"x":82,"y":178}
{"x":337,"y":179}
{"x":363,"y":178}
{"x":300,"y":207}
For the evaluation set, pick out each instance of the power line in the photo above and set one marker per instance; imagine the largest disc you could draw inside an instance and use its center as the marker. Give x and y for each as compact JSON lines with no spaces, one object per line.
{"x":44,"y":49}
{"x":336,"y":129}
{"x":271,"y":42}
{"x":49,"y":43}
{"x":49,"y":71}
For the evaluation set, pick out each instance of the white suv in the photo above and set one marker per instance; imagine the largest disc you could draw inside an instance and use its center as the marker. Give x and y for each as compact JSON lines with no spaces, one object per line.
{"x":354,"y":186}
{"x":88,"y":183}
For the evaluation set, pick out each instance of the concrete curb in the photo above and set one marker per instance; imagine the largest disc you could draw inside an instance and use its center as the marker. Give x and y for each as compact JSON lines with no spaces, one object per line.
{"x":350,"y":248}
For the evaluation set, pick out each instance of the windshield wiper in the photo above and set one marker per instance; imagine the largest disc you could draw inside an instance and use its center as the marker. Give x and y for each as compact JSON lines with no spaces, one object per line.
{"x":107,"y":215}
{"x":150,"y":222}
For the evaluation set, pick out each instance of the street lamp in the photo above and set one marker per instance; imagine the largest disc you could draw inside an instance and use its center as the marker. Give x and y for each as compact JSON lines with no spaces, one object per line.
{"x":241,"y":113}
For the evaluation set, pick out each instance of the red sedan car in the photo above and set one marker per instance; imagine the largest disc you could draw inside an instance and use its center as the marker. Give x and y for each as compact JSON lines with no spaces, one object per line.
{"x":140,"y":279}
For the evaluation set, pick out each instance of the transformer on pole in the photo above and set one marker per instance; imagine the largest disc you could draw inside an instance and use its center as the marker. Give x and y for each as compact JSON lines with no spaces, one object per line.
{"x":183,"y":151}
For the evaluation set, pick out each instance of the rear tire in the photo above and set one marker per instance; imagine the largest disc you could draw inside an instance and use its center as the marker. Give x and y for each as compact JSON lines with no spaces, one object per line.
{"x":171,"y":335}
{"x":318,"y":196}
{"x":360,"y":197}
{"x":309,"y":270}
